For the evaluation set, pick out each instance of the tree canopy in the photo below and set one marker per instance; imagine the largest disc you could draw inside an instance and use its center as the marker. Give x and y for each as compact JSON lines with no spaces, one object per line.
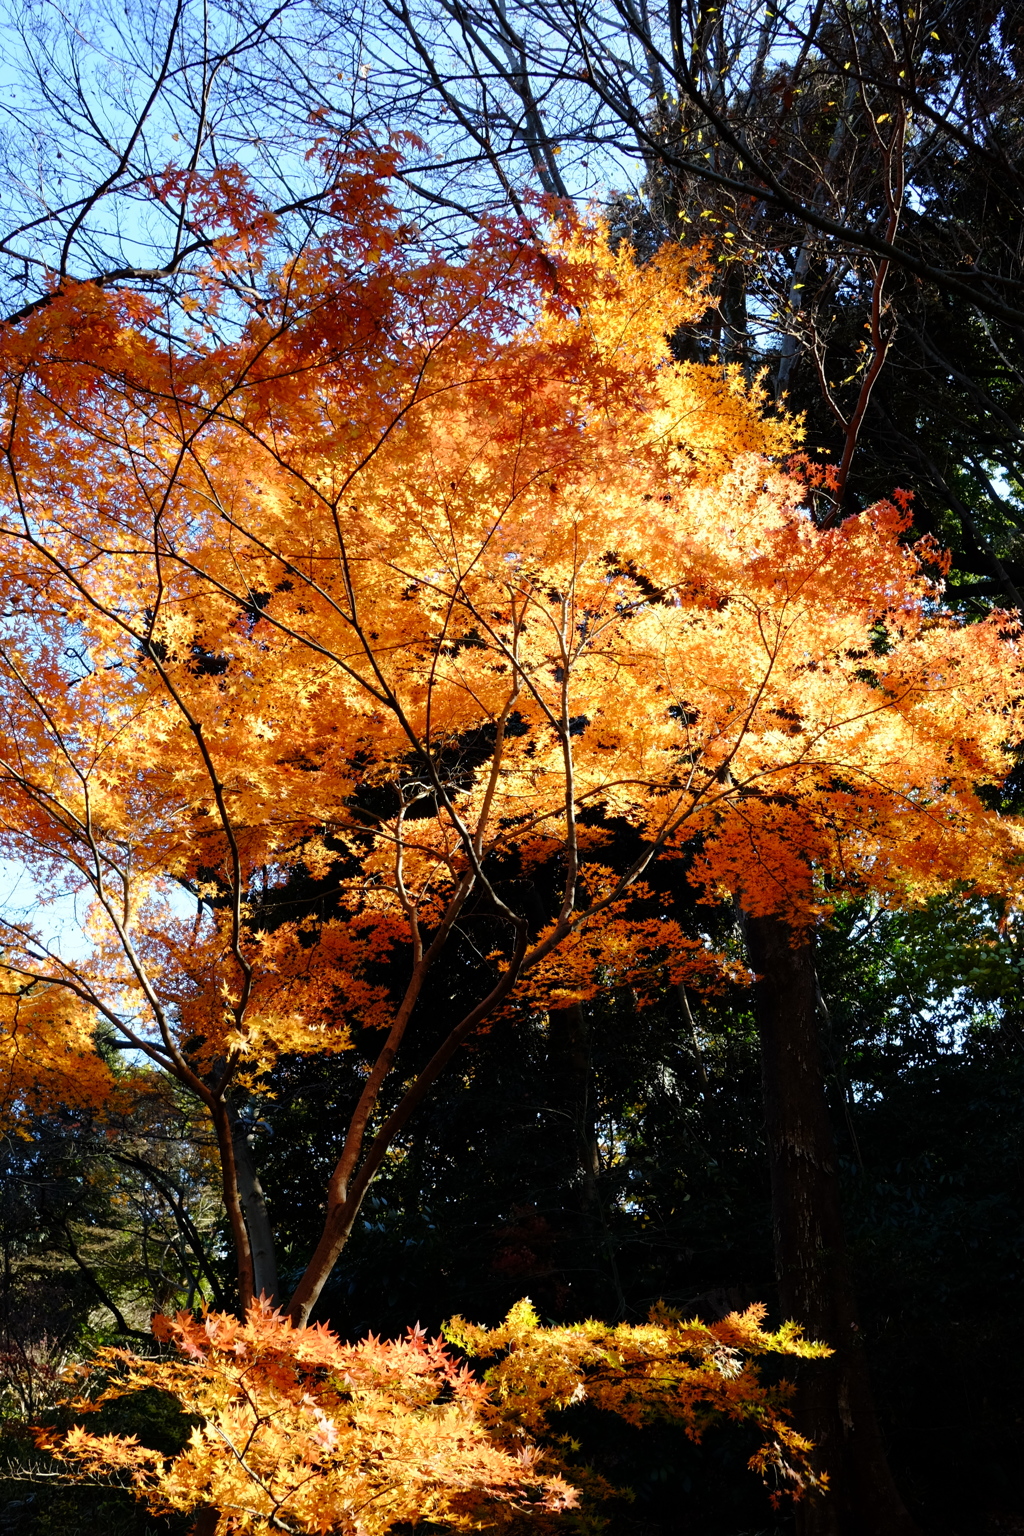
{"x":419,"y":630}
{"x":362,"y":564}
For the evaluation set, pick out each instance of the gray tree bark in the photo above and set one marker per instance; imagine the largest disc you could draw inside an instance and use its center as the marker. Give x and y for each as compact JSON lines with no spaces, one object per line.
{"x":254,"y":1208}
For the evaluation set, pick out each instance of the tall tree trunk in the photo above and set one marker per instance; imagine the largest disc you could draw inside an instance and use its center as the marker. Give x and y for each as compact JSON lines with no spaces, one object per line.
{"x":834,"y":1403}
{"x":571,"y":1097}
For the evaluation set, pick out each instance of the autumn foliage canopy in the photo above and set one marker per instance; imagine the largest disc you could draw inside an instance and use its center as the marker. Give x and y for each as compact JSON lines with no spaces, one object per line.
{"x":430,"y":573}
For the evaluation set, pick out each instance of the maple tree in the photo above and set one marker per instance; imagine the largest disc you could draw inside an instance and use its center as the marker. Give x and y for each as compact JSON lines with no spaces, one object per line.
{"x":298,"y":1431}
{"x":433,"y":573}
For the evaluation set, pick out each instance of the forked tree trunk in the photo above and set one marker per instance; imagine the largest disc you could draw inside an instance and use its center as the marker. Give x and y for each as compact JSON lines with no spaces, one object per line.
{"x":834,"y":1404}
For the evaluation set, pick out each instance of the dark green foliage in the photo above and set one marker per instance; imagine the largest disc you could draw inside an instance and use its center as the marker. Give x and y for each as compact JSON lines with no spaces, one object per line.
{"x":35,"y":1500}
{"x":101,"y":1222}
{"x":486,"y":1199}
{"x":928,"y":1092}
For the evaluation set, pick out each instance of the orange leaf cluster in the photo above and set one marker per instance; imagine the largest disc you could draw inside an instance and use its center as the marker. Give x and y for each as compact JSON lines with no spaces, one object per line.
{"x":297,"y":1431}
{"x":47,"y":1051}
{"x":690,"y":1373}
{"x":415,"y":521}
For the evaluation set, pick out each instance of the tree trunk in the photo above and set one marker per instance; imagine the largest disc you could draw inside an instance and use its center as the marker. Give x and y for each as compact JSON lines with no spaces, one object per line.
{"x":571,"y":1096}
{"x":254,"y":1207}
{"x":224,"y":1131}
{"x":834,"y":1404}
